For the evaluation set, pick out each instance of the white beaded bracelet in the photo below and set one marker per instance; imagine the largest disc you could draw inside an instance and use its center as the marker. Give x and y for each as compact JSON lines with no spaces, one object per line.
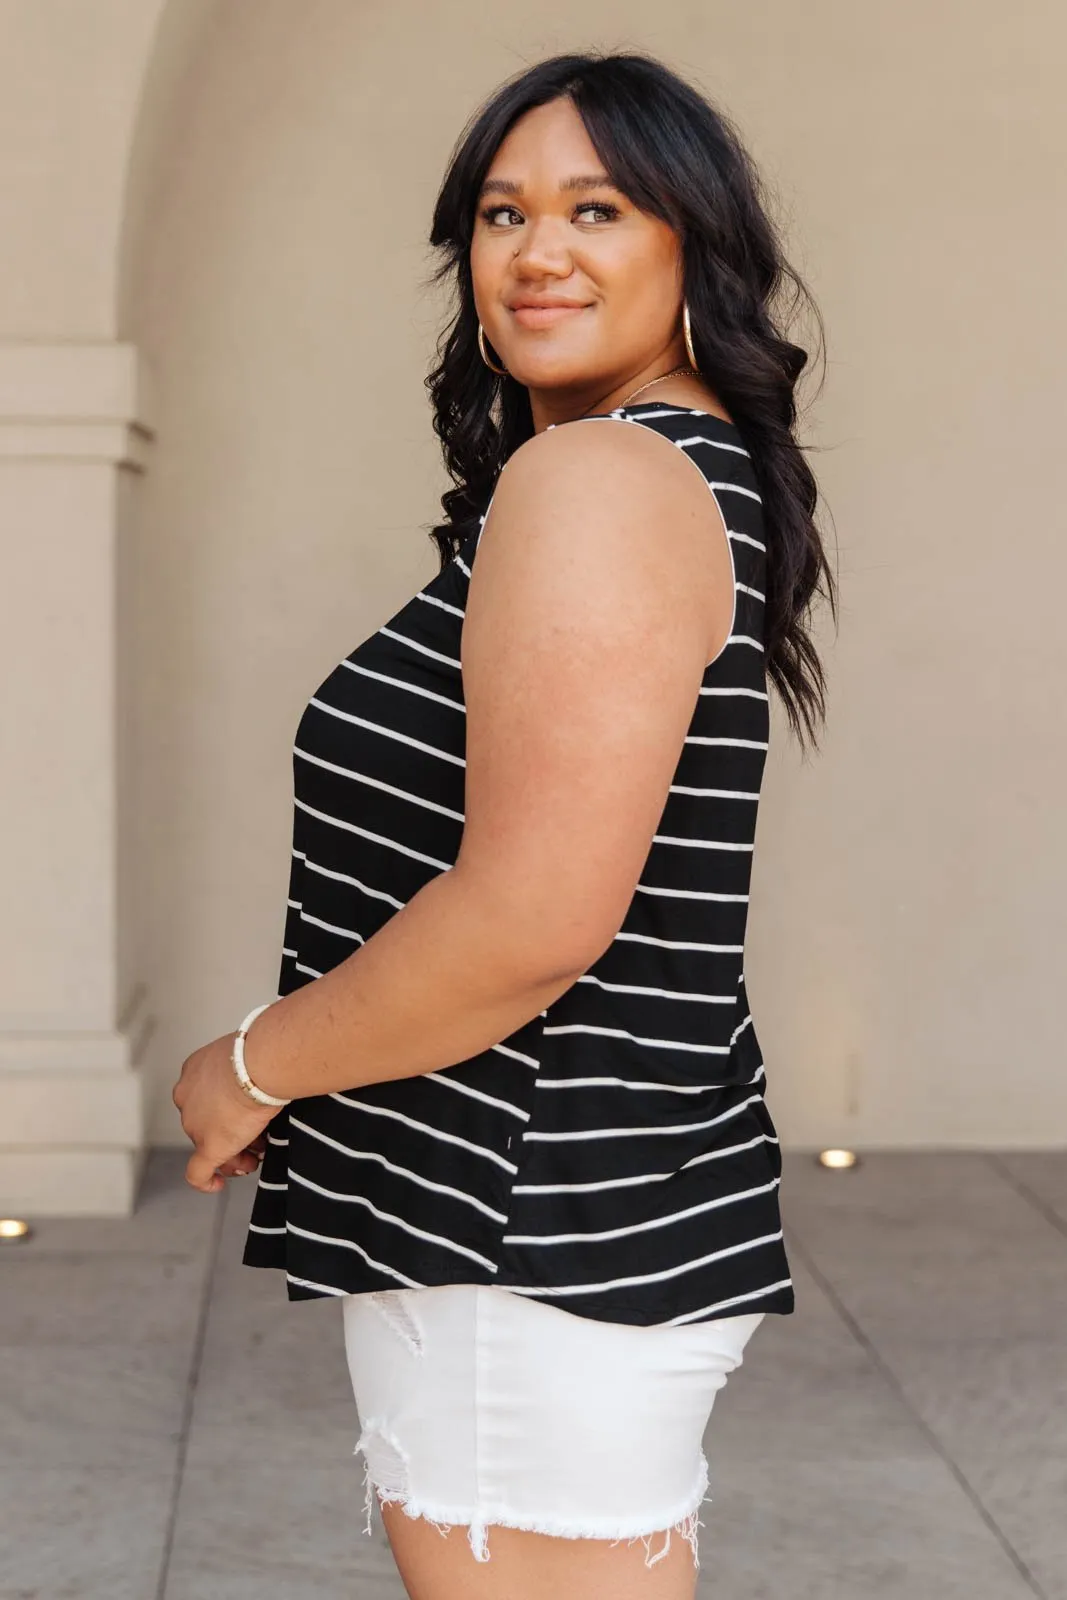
{"x":238,"y":1058}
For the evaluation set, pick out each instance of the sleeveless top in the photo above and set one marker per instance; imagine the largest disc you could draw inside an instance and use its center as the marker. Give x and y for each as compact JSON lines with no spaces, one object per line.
{"x":614,"y":1156}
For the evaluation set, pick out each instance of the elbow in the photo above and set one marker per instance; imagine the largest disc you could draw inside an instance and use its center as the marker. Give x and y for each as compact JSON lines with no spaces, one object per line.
{"x":541,"y":939}
{"x":547,"y":950}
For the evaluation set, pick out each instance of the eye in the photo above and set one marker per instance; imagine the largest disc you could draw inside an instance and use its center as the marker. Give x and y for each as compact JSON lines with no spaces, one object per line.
{"x":489,"y":213}
{"x":610,"y":211}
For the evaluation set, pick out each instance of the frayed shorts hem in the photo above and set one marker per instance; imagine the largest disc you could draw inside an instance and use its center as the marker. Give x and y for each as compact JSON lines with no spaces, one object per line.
{"x":478,"y":1407}
{"x":683,"y":1521}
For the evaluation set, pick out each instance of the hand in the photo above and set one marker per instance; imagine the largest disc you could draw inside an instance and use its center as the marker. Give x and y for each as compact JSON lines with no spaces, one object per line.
{"x":225,"y":1125}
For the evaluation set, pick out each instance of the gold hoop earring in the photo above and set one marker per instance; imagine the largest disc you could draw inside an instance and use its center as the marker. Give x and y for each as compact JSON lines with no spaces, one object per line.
{"x":687,"y":333}
{"x":501,"y":371}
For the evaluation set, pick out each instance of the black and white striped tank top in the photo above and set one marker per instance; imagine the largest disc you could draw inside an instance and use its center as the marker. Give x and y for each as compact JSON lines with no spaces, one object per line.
{"x":614,"y":1156}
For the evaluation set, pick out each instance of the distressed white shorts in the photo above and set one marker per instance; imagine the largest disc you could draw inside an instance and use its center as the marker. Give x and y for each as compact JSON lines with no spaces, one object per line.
{"x":478,"y":1406}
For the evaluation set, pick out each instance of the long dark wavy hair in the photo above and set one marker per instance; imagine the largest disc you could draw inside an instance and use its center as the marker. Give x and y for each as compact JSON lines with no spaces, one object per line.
{"x":680,"y":159}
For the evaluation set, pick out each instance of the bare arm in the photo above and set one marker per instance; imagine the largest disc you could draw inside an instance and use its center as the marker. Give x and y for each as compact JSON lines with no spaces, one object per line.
{"x":599,"y":575}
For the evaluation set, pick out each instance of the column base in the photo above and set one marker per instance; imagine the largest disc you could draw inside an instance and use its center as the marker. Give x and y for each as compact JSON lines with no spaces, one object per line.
{"x":72,"y":1122}
{"x":69,"y":1183}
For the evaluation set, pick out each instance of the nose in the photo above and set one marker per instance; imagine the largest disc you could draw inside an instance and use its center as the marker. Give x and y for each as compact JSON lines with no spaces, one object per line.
{"x":543,"y":250}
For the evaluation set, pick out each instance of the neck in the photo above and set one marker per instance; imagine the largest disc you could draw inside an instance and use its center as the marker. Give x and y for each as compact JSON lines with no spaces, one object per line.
{"x":564,"y":405}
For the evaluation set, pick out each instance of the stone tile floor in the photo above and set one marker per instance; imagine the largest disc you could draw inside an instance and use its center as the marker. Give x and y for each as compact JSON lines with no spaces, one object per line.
{"x":174,"y":1429}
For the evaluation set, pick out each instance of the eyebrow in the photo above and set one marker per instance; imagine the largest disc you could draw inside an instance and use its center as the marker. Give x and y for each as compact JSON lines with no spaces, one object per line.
{"x":580,"y":180}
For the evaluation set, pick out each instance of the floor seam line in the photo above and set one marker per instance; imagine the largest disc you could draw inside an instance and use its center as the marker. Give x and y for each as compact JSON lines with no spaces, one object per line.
{"x":1023,"y":1190}
{"x":894,"y":1382}
{"x":196,"y":1360}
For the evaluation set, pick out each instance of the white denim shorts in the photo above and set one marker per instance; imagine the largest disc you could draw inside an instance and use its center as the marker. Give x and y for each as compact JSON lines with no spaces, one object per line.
{"x":478,"y":1406}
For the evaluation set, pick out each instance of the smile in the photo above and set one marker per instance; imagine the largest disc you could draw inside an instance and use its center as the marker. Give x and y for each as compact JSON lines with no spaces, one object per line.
{"x":544,"y":316}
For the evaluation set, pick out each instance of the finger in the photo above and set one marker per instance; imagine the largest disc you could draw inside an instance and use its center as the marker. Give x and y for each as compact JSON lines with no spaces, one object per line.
{"x":200,"y":1173}
{"x":238,"y":1166}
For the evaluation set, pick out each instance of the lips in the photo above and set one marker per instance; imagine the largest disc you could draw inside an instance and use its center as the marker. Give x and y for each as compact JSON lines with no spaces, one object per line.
{"x":545,"y":315}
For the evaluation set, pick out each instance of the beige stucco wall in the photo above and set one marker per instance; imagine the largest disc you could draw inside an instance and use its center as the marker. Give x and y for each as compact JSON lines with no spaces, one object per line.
{"x":261,"y":210}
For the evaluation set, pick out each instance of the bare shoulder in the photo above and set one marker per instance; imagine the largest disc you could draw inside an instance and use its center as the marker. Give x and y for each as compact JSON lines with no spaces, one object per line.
{"x":606,"y":471}
{"x":605,"y":512}
{"x":607,"y":502}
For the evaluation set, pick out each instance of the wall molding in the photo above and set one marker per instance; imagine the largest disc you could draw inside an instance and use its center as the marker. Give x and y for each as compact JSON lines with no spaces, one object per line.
{"x":76,"y":402}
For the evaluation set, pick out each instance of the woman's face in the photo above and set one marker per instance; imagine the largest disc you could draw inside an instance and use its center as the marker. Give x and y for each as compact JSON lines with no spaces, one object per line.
{"x":577,"y":290}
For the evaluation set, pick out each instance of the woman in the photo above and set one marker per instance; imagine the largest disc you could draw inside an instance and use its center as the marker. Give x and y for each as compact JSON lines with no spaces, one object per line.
{"x":510,"y":1099}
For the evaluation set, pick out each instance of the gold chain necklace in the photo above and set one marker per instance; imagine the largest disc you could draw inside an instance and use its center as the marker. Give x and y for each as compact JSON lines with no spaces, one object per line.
{"x":675,"y":372}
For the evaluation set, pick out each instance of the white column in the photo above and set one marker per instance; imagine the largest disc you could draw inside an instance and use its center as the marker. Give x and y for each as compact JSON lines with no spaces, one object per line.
{"x":75,"y":426}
